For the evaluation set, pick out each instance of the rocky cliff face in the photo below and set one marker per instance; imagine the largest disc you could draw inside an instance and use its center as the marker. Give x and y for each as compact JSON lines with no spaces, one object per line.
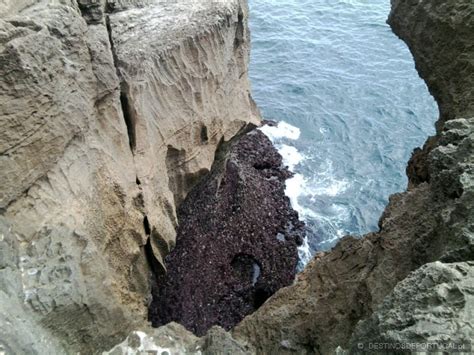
{"x":108,"y":118}
{"x":112,"y":112}
{"x":412,"y":282}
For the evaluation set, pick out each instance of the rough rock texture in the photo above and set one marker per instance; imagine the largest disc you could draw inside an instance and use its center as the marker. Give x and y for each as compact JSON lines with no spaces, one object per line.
{"x":434,"y":220}
{"x":184,"y":75}
{"x":434,"y":304}
{"x":237,"y":240}
{"x":172,"y":339}
{"x":440,"y":35}
{"x":175,"y":339}
{"x":77,"y":203}
{"x":67,"y":177}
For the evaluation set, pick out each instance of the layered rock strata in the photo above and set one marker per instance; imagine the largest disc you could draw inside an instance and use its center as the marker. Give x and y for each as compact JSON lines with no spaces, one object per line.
{"x":107,"y":120}
{"x":237,"y":240}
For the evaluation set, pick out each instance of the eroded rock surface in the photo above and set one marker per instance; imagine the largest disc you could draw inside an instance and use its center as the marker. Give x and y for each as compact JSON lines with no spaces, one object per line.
{"x":184,"y":88}
{"x":443,"y":59}
{"x":433,"y":305}
{"x":90,"y":150}
{"x":237,"y":240}
{"x":175,"y":339}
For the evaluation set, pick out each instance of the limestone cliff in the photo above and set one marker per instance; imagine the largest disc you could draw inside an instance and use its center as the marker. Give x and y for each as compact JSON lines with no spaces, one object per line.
{"x":411,"y":282}
{"x":110,"y":112}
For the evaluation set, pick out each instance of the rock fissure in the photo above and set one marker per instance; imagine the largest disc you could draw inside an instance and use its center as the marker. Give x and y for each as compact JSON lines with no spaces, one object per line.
{"x":127,"y":110}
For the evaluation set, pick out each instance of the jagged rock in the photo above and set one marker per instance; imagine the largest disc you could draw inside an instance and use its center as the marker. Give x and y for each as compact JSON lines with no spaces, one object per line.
{"x":74,"y":196}
{"x":449,"y":76}
{"x":185,"y":88}
{"x":433,"y":305}
{"x":70,"y":197}
{"x":172,"y":339}
{"x":228,"y":259}
{"x":451,"y":32}
{"x":219,"y":342}
{"x":175,"y":339}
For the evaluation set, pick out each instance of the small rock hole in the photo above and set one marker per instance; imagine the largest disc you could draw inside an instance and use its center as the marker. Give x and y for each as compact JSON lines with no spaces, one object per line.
{"x":246,"y":268}
{"x":204,"y":135}
{"x":262,"y":165}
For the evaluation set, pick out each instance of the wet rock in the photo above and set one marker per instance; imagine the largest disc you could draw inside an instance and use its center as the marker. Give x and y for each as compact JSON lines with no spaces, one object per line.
{"x":228,"y":259}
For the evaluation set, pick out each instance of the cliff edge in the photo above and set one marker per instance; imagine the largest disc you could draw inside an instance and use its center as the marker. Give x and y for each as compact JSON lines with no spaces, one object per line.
{"x":110,"y":112}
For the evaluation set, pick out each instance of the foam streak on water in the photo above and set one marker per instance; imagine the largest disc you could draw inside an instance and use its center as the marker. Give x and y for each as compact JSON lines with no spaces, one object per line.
{"x":350,"y":107}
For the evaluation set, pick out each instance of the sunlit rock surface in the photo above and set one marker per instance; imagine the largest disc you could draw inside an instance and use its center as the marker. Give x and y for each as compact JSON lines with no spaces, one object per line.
{"x":104,"y":129}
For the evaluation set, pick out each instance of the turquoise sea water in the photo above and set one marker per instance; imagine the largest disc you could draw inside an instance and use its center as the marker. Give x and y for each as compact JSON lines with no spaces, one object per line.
{"x":334,"y":71}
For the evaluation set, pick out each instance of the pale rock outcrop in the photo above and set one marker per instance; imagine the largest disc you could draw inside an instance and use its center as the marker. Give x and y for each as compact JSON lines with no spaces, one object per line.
{"x":185,"y":88}
{"x":74,"y":196}
{"x":68,"y":182}
{"x":175,"y":339}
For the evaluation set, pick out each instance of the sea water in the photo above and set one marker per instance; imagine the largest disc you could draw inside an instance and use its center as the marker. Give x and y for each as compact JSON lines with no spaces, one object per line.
{"x":350,"y":106}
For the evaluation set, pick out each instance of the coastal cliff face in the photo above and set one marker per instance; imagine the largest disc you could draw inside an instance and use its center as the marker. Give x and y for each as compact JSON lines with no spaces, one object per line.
{"x":443,"y":59}
{"x":110,"y":113}
{"x":411,"y":282}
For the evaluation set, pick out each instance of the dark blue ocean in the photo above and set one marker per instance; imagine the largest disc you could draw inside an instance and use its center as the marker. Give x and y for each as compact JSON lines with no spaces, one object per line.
{"x":350,"y":103}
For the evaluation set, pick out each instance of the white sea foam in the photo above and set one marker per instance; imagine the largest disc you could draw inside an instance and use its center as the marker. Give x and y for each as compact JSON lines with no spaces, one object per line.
{"x":291,"y":156}
{"x":296,"y":185}
{"x":282,"y":130}
{"x":301,"y":188}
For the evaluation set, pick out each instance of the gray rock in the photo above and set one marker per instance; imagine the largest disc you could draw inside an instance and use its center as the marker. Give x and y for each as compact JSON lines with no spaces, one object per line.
{"x":170,"y":339}
{"x":433,"y":305}
{"x":174,"y":339}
